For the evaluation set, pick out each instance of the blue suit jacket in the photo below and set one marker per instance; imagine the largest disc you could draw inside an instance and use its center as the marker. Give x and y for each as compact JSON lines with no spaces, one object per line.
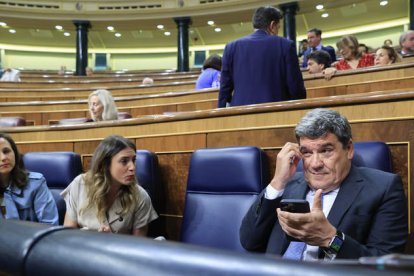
{"x":370,"y":209}
{"x":260,"y":68}
{"x":330,"y":50}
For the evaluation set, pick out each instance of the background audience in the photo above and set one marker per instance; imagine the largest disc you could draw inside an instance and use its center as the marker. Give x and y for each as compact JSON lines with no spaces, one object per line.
{"x":108,"y":198}
{"x":303,"y":46}
{"x":407,"y":43}
{"x":210,"y":75}
{"x":318,"y":61}
{"x":348,"y":46}
{"x":363,"y":48}
{"x":147,"y":81}
{"x":352,"y":58}
{"x":314,"y":43}
{"x":388,"y":42}
{"x":102,"y":106}
{"x":89,"y":71}
{"x":23,"y":195}
{"x":386,"y":55}
{"x":10,"y":74}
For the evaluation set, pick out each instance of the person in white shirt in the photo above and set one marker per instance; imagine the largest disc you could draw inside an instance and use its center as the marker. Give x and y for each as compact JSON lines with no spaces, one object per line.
{"x":10,"y":74}
{"x":355,"y":211}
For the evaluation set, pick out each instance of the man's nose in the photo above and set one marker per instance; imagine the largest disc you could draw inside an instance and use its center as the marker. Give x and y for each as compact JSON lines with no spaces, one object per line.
{"x":316,"y":161}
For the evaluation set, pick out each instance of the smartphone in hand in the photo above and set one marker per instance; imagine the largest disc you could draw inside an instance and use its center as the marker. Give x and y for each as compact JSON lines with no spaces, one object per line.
{"x":294,"y":206}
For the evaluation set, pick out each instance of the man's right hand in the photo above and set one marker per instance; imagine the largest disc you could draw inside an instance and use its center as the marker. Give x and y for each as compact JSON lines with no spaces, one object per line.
{"x":286,"y":163}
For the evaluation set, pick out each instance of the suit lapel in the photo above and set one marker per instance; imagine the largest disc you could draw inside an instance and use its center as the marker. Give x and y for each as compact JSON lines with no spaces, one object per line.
{"x":350,"y":188}
{"x":297,"y":190}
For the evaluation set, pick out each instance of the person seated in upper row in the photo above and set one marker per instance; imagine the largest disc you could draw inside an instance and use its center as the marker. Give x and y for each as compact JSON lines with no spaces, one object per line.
{"x":148,"y":81}
{"x":210,"y":75}
{"x":356,"y":211}
{"x":363,"y":48}
{"x":386,"y":55}
{"x":89,"y":71}
{"x":388,"y":42}
{"x":314,"y":43}
{"x":318,"y":61}
{"x":11,"y":74}
{"x":23,"y":195}
{"x":102,"y":106}
{"x":108,"y":198}
{"x":407,"y":43}
{"x":352,"y":58}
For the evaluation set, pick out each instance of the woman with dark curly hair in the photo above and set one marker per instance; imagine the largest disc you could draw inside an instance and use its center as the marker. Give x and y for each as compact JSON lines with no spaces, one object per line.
{"x":108,"y":198}
{"x":23,"y":195}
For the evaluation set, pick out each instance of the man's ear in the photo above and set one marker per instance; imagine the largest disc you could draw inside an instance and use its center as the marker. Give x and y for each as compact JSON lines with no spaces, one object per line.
{"x":272,"y":27}
{"x":321,"y":67}
{"x":350,"y":149}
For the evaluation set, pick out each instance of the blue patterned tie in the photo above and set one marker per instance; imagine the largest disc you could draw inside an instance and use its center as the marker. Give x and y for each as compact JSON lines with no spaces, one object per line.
{"x":294,"y":251}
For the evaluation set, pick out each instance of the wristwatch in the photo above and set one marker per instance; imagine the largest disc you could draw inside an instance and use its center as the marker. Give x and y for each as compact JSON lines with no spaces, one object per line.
{"x":335,"y":244}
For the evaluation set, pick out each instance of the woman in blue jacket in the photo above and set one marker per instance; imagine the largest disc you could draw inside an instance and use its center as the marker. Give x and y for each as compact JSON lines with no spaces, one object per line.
{"x":23,"y":195}
{"x":210,"y":76}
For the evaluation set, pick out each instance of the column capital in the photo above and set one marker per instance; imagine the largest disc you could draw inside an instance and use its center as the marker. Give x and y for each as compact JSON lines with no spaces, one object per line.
{"x":291,"y":7}
{"x":186,"y":20}
{"x":82,"y":23}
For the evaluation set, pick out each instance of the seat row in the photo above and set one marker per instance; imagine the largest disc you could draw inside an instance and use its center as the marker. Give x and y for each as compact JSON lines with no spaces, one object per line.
{"x":20,"y":121}
{"x":222,"y":184}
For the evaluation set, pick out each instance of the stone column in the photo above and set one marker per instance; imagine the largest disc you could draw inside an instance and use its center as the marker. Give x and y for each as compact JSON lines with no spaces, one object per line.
{"x":182,"y":43}
{"x":411,"y":26}
{"x":289,"y":22}
{"x":81,"y":46}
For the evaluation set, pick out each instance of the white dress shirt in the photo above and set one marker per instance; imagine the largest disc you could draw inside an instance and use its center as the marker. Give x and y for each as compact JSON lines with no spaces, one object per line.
{"x":310,"y":252}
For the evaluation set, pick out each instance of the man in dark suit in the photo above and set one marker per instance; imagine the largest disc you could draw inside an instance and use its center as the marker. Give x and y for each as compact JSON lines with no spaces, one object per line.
{"x":355,"y":211}
{"x":314,"y":44}
{"x":261,"y":67}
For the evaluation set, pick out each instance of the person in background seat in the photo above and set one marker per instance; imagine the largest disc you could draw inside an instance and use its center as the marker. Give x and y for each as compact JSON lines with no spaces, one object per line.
{"x":23,"y":195}
{"x":102,"y":106}
{"x":315,"y":44}
{"x":352,"y":58}
{"x":108,"y":197}
{"x":148,"y":81}
{"x":386,"y":55}
{"x":10,"y":74}
{"x":407,"y":43}
{"x":210,"y":76}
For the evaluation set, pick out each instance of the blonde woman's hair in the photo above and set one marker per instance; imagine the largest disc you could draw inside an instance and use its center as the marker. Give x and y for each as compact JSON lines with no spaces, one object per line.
{"x":110,"y":111}
{"x":351,"y":42}
{"x":98,"y":179}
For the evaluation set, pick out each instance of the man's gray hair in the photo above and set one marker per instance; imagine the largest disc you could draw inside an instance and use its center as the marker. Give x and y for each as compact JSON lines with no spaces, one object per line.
{"x":319,"y":122}
{"x":404,"y":35}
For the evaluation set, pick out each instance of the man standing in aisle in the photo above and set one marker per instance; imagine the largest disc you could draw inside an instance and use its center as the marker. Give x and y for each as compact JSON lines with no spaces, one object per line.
{"x":261,"y":67}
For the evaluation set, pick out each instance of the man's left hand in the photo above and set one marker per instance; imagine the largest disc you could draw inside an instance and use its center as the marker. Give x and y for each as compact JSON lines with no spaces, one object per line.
{"x":312,"y":228}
